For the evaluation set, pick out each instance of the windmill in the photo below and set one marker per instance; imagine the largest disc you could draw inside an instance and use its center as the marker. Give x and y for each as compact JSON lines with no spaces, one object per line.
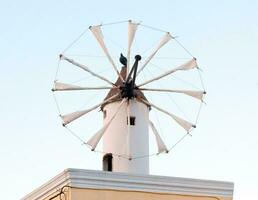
{"x":125,"y":108}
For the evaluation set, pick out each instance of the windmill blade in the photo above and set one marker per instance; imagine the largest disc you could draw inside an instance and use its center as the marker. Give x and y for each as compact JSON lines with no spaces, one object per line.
{"x":162,"y":42}
{"x":183,"y":123}
{"x":94,"y":140}
{"x":59,"y":86}
{"x":186,"y":66}
{"x":196,"y":94}
{"x":132,"y":27}
{"x":97,"y":32}
{"x":161,"y":145}
{"x":68,"y":118}
{"x":85,"y":69}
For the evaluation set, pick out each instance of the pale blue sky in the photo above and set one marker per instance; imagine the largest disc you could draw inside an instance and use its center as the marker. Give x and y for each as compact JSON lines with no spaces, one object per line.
{"x":223,"y":35}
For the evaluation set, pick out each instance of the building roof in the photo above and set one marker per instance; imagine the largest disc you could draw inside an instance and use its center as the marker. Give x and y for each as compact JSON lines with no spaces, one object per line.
{"x":115,"y":90}
{"x":92,"y":179}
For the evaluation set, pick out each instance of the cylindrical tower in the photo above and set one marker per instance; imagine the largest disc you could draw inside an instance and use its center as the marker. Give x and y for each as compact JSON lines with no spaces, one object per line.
{"x":127,"y":141}
{"x":123,"y":141}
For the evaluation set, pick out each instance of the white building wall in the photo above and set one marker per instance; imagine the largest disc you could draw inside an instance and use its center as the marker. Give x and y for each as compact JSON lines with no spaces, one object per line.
{"x":118,"y":142}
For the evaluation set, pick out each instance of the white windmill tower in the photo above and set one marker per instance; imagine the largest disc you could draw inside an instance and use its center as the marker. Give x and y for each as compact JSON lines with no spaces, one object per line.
{"x":126,"y":122}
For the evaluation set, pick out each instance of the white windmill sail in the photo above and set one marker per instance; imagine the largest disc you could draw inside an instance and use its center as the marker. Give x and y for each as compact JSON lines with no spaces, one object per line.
{"x":183,"y":123}
{"x":97,"y":32}
{"x":59,"y":86}
{"x":196,"y":94}
{"x":162,"y":42}
{"x":186,"y":66}
{"x":132,"y":27}
{"x":68,"y":118}
{"x":161,"y":145}
{"x":85,"y":68}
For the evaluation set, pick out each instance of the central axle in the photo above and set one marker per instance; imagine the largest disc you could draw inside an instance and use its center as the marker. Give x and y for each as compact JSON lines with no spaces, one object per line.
{"x":128,"y":87}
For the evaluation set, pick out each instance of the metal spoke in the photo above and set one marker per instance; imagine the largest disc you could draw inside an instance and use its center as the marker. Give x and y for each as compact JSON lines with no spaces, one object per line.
{"x":85,"y":68}
{"x":183,"y":123}
{"x":162,"y":42}
{"x":68,"y":118}
{"x":97,"y":32}
{"x":94,"y":140}
{"x":59,"y":86}
{"x":186,"y":66}
{"x":196,"y":94}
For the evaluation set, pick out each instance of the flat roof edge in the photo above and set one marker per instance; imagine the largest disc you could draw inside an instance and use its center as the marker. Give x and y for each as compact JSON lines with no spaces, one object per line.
{"x":93,"y":179}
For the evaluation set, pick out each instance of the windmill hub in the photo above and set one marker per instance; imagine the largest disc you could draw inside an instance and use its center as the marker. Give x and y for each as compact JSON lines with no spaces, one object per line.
{"x":127,"y":90}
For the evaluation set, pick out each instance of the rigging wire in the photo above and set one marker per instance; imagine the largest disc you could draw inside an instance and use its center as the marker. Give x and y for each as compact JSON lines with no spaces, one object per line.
{"x":180,"y":140}
{"x":57,"y":70}
{"x":113,"y":23}
{"x":114,"y":154}
{"x":167,"y":57}
{"x":75,"y":135}
{"x":198,"y":113}
{"x":74,"y":41}
{"x":145,"y":156}
{"x":184,"y":47}
{"x":57,"y":105}
{"x":153,"y":28}
{"x":201,"y":79}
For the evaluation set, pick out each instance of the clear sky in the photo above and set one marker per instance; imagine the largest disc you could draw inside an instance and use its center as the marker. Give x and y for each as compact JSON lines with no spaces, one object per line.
{"x":223,"y":35}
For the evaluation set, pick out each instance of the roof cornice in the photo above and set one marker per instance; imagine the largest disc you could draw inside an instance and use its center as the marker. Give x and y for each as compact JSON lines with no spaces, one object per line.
{"x":123,"y":181}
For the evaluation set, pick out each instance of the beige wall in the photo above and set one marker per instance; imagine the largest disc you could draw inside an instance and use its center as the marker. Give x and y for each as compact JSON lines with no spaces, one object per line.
{"x":56,"y":195}
{"x":94,"y":194}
